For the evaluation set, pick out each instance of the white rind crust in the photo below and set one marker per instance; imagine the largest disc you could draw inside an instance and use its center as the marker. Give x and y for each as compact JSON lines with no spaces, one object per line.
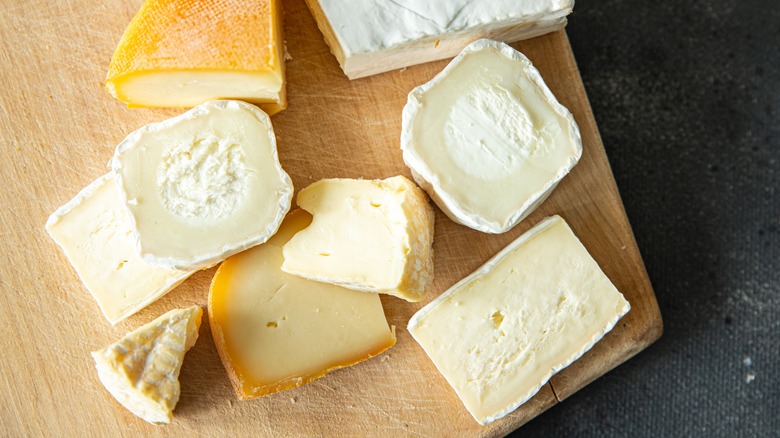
{"x":205,"y":261}
{"x":427,"y":179}
{"x":391,"y":34}
{"x":484,"y":270}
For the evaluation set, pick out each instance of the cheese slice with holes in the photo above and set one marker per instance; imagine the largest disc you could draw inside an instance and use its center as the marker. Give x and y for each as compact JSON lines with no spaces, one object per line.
{"x":180,"y":53}
{"x":373,"y":36}
{"x":276,"y":331}
{"x":369,"y":235}
{"x":141,"y":370}
{"x":204,"y":185}
{"x":499,"y":334}
{"x":95,"y":232}
{"x":487,"y":139}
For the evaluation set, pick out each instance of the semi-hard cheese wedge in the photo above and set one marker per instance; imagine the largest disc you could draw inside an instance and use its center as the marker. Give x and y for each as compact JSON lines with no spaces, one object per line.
{"x":141,"y":370}
{"x":499,"y":334}
{"x":180,"y":53}
{"x":276,"y":331}
{"x":204,"y":185}
{"x":95,"y":232}
{"x":487,"y":139}
{"x":368,"y":235}
{"x":373,"y":36}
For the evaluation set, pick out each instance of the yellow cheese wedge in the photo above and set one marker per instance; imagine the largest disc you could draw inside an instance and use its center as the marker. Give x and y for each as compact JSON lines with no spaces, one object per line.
{"x":141,"y":370}
{"x":373,"y":236}
{"x":180,"y":53}
{"x":276,"y":331}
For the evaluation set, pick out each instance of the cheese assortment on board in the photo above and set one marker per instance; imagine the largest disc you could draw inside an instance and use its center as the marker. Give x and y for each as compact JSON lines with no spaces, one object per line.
{"x":180,"y":53}
{"x":499,"y":334}
{"x":375,"y":36}
{"x":204,"y":185}
{"x":487,"y":139}
{"x":297,"y":294}
{"x":368,"y":235}
{"x":95,"y":232}
{"x":276,"y":331}
{"x":141,"y":370}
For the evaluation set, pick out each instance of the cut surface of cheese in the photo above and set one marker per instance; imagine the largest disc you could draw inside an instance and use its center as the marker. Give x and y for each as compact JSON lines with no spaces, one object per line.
{"x":95,"y":232}
{"x":276,"y":331}
{"x":375,"y":36}
{"x":499,"y":334}
{"x":487,"y":139}
{"x":179,"y":53}
{"x":204,"y":185}
{"x":141,"y":370}
{"x":368,"y":235}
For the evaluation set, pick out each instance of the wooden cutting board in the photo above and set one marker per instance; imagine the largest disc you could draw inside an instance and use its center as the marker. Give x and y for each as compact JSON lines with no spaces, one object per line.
{"x":58,"y":129}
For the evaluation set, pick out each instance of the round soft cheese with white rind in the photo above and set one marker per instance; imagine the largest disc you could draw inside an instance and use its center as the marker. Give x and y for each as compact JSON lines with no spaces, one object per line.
{"x":204,"y":185}
{"x":487,"y":139}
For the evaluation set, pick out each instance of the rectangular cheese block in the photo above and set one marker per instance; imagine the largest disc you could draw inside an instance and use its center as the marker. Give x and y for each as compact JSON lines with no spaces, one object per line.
{"x":375,"y":36}
{"x":95,"y":232}
{"x":499,"y":334}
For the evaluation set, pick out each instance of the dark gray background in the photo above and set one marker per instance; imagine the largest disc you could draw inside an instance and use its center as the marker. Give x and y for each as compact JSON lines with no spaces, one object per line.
{"x":686,"y":95}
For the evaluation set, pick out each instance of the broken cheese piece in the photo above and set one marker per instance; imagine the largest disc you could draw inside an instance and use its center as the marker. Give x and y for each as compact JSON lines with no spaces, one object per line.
{"x":179,"y":53}
{"x":275,"y":331}
{"x":141,"y":370}
{"x":204,"y":185}
{"x":373,"y":236}
{"x":501,"y":333}
{"x":95,"y":232}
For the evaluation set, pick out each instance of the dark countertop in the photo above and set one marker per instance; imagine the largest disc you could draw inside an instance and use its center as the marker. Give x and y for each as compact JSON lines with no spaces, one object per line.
{"x":687,"y":96}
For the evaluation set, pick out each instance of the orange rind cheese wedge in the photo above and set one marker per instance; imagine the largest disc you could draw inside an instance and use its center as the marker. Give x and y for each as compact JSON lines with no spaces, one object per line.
{"x":276,"y":331}
{"x":180,"y":53}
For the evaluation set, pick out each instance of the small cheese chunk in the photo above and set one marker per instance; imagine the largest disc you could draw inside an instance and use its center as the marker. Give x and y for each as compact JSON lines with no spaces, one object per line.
{"x":204,"y":185}
{"x":373,"y":236}
{"x":180,"y":53}
{"x":95,"y":232}
{"x":276,"y":331}
{"x":487,"y":139}
{"x":499,"y":334}
{"x":373,"y":36}
{"x":141,"y":370}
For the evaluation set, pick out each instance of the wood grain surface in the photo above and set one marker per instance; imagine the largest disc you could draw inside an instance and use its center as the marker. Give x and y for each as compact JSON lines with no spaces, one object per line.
{"x":58,"y":129}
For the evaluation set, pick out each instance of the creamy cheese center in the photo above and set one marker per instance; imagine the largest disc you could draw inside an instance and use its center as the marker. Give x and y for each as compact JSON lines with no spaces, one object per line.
{"x":202,"y":179}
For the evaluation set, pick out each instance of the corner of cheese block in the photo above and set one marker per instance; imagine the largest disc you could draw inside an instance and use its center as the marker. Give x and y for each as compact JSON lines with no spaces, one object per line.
{"x":367,"y":235}
{"x":141,"y":370}
{"x":305,"y":329}
{"x":372,"y":37}
{"x":176,"y":53}
{"x":95,"y":233}
{"x":501,"y":333}
{"x":211,"y":174}
{"x":503,"y":145}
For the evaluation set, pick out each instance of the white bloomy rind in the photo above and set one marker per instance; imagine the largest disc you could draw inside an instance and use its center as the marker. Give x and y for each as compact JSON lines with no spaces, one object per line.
{"x":431,"y":182}
{"x":204,"y":182}
{"x":374,"y":36}
{"x":452,"y":335}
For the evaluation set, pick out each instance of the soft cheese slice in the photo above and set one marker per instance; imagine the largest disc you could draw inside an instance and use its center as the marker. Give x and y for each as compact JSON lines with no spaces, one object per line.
{"x":180,"y":53}
{"x":487,"y":139}
{"x":204,"y":185}
{"x":374,"y":36}
{"x":499,"y":334}
{"x":276,"y":331}
{"x":141,"y":370}
{"x":368,"y":235}
{"x":95,"y":232}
